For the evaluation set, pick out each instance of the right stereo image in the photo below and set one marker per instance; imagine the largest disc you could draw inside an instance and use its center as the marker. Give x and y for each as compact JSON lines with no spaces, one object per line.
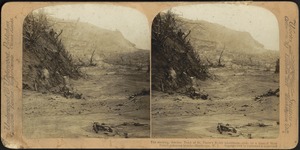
{"x":215,"y":72}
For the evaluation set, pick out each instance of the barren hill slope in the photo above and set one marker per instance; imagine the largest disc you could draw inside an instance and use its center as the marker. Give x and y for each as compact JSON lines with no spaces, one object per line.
{"x":206,"y":34}
{"x":82,"y":38}
{"x":209,"y":39}
{"x":45,"y":59}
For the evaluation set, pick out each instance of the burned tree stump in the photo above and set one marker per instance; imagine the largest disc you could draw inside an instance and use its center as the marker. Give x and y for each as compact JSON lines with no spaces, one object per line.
{"x":220,"y":57}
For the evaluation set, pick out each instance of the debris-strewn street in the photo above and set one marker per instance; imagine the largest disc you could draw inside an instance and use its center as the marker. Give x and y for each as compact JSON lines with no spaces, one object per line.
{"x":107,"y":99}
{"x":232,"y":109}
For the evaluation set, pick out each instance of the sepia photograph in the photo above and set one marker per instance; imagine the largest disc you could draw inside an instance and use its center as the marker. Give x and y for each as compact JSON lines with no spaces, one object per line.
{"x":86,"y":72}
{"x":126,"y":75}
{"x":215,"y":72}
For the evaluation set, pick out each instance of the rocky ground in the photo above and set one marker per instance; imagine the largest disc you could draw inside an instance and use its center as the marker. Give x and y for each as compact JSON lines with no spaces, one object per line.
{"x":113,"y":96}
{"x":233,"y":101}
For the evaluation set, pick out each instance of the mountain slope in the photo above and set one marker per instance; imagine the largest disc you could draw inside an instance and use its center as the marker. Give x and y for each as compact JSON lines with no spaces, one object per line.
{"x":46,"y":63}
{"x":210,"y":35}
{"x":210,"y":39}
{"x":82,"y":38}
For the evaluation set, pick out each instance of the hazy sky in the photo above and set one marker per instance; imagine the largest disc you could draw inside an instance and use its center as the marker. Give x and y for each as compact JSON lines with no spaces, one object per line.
{"x":259,"y":22}
{"x":130,"y":22}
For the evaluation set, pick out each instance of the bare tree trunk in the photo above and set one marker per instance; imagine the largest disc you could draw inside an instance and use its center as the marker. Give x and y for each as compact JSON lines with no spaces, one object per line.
{"x":148,"y":68}
{"x":210,"y":63}
{"x":59,"y":34}
{"x":219,"y":62}
{"x":251,"y":61}
{"x":91,"y":59}
{"x":162,"y":86}
{"x":187,"y":35}
{"x":122,"y":60}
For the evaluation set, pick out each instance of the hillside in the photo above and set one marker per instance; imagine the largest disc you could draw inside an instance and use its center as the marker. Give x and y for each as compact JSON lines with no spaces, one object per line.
{"x":82,"y":38}
{"x":174,"y":60}
{"x":206,"y":34}
{"x":41,"y":72}
{"x":209,"y":39}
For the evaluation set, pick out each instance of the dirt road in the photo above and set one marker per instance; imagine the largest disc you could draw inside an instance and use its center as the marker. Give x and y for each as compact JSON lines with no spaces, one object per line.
{"x":231,"y":101}
{"x":106,"y":93}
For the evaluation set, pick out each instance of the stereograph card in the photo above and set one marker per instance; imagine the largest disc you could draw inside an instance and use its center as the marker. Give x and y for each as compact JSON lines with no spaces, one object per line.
{"x":149,"y":75}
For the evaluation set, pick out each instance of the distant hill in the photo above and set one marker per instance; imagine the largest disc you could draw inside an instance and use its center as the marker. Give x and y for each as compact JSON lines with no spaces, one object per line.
{"x":81,"y":38}
{"x":209,"y":39}
{"x":211,"y":35}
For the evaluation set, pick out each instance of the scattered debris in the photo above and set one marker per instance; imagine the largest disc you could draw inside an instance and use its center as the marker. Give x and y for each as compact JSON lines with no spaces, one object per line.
{"x":138,"y":124}
{"x":196,"y":94}
{"x":258,"y":124}
{"x":133,"y":123}
{"x":113,"y":130}
{"x":126,"y":135}
{"x":143,"y":92}
{"x":71,"y":94}
{"x":250,"y":136}
{"x":68,"y":92}
{"x":262,"y":125}
{"x":119,"y":105}
{"x":269,"y":93}
{"x":51,"y":98}
{"x":110,"y":73}
{"x":225,"y":128}
{"x":26,"y":86}
{"x":101,"y":127}
{"x":177,"y":99}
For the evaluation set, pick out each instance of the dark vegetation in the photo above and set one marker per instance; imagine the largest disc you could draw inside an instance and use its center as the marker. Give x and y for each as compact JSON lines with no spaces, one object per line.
{"x":46,"y":62}
{"x":174,"y":60}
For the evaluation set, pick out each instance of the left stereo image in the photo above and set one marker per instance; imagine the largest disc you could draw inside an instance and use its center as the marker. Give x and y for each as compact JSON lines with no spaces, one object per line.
{"x":86,"y":72}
